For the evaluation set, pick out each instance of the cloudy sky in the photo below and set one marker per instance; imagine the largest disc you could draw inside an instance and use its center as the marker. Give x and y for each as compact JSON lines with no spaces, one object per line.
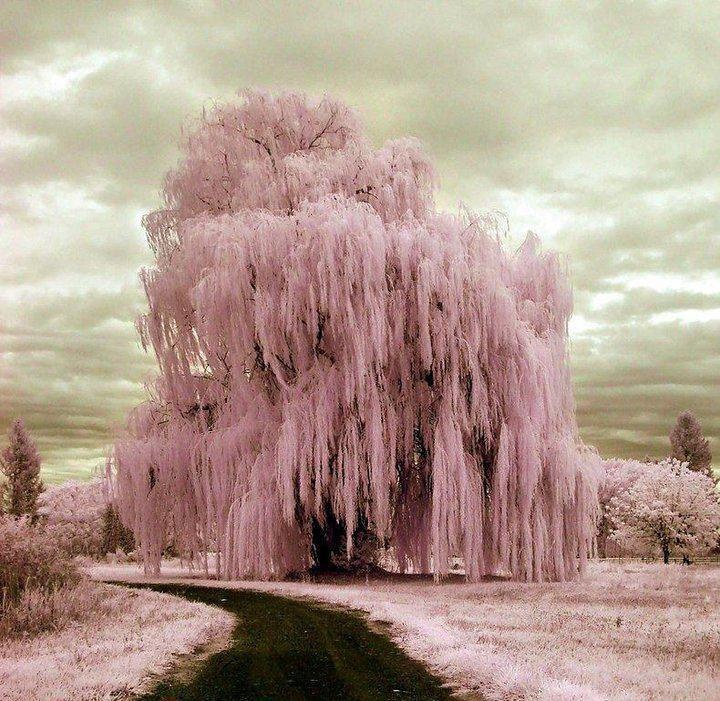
{"x":596,"y":125}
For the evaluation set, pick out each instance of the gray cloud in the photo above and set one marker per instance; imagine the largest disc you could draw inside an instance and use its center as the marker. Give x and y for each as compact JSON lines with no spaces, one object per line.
{"x":592,"y":124}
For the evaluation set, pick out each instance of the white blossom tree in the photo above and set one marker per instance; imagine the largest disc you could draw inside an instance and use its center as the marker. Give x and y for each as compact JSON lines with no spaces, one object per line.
{"x":618,"y":475}
{"x":669,"y":507}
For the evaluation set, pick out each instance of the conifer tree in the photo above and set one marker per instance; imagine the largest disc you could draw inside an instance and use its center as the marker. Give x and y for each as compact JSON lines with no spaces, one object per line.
{"x":689,"y":445}
{"x":20,"y":463}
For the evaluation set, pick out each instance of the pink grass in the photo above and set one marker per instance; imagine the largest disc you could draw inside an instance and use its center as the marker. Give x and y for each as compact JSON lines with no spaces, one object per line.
{"x":122,"y":640}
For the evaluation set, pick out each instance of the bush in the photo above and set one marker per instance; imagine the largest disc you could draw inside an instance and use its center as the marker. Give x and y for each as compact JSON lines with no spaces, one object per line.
{"x":31,"y":560}
{"x":39,"y":610}
{"x":77,"y":537}
{"x":41,"y":587}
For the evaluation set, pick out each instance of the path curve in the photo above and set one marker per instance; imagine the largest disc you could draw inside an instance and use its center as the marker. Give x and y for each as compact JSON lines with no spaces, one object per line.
{"x":288,"y":649}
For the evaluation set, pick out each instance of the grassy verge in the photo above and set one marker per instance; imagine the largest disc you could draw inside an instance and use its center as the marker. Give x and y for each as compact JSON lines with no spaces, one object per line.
{"x":114,"y":652}
{"x":63,"y":636}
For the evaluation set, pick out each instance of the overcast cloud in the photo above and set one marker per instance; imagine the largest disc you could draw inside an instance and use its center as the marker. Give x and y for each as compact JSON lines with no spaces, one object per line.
{"x":593,"y":124}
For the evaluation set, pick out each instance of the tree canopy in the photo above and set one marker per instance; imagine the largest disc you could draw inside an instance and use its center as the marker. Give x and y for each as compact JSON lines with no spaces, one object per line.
{"x":668,"y":507}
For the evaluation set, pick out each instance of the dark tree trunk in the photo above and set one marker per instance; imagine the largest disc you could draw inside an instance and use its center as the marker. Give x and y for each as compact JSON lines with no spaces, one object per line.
{"x":602,"y":544}
{"x":666,"y":554}
{"x":328,"y":540}
{"x":329,"y":546}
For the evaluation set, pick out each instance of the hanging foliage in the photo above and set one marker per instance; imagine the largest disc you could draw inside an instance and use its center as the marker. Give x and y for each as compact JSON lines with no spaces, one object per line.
{"x":337,"y":357}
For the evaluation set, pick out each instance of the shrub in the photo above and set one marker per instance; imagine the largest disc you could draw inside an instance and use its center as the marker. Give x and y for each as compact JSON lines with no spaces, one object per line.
{"x":31,"y":560}
{"x":39,"y":609}
{"x":41,"y":587}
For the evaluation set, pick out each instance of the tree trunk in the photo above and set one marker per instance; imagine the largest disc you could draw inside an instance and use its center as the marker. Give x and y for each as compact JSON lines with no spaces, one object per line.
{"x":329,"y":546}
{"x":666,"y":554}
{"x":602,"y":544}
{"x":328,"y":539}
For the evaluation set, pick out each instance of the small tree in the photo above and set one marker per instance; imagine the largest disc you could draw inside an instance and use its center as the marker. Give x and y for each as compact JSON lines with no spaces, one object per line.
{"x":114,"y":534}
{"x":73,"y":512}
{"x":689,"y":445}
{"x":20,"y":463}
{"x":668,"y":507}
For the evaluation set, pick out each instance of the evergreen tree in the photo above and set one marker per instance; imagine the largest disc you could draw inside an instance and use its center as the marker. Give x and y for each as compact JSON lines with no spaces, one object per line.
{"x":114,"y":534}
{"x":20,"y":463}
{"x":689,"y":445}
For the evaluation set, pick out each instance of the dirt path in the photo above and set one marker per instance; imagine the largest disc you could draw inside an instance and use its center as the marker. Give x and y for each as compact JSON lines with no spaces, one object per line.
{"x":287,"y":649}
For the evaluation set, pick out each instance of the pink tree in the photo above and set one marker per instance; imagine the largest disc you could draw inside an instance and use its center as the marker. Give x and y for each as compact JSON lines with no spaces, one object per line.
{"x":669,"y":507}
{"x":73,"y":501}
{"x":338,"y":358}
{"x":20,"y":463}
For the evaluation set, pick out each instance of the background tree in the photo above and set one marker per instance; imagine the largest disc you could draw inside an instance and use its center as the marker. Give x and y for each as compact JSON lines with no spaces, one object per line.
{"x":688,"y":444}
{"x":115,"y":536}
{"x":20,"y":463}
{"x":340,"y":360}
{"x":82,"y":521}
{"x":617,"y":477}
{"x":668,"y":507}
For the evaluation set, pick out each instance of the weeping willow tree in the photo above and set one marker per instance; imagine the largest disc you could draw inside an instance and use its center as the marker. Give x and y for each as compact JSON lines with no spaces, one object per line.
{"x":336,"y":357}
